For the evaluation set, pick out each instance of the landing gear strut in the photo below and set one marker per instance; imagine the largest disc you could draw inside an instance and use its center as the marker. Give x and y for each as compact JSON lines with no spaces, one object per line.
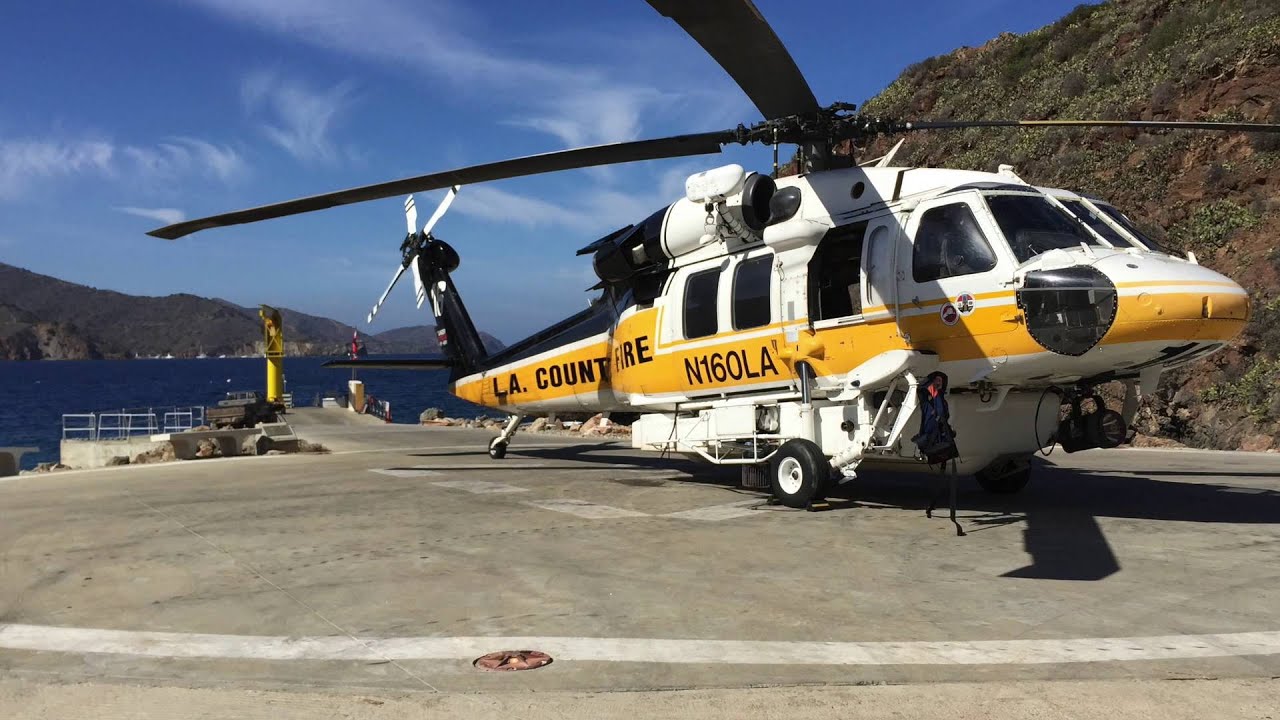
{"x":498,"y":445}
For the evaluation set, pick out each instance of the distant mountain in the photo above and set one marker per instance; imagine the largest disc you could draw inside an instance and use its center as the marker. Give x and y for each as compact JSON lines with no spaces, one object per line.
{"x":42,"y":317}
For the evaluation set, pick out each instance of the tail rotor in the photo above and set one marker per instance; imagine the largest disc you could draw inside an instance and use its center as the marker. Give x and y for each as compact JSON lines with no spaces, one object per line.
{"x":414,"y":243}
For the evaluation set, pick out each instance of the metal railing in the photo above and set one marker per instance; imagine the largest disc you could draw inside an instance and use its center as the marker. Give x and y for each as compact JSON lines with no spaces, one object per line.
{"x":377,"y":408}
{"x":79,"y":426}
{"x":128,"y":422}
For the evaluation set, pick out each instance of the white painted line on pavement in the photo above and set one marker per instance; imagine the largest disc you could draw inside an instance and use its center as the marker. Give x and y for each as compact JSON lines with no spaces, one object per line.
{"x":479,"y":487}
{"x":716,"y":513}
{"x":584,"y":509}
{"x":727,"y":652}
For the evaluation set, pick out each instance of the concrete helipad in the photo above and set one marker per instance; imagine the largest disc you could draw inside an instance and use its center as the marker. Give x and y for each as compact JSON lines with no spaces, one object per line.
{"x":392,"y":563}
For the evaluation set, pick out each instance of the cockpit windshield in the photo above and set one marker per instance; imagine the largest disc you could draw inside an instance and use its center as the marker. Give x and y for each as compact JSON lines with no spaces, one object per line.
{"x":1124,"y":222}
{"x":1033,"y":225}
{"x":1098,"y":225}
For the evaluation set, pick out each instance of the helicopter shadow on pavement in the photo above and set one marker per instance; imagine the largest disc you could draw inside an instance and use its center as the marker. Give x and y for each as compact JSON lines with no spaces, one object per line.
{"x":1060,"y":507}
{"x":597,"y":456}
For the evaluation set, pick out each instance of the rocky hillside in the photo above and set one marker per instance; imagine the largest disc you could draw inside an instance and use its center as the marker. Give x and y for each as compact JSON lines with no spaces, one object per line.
{"x":42,"y":317}
{"x":24,"y":337}
{"x":1217,"y":195}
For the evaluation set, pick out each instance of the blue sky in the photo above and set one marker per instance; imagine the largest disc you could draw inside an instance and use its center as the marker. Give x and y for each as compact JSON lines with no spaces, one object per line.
{"x":119,"y":117}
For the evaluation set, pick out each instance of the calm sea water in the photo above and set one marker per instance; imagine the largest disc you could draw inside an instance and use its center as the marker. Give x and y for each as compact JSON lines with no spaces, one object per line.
{"x":35,"y":395}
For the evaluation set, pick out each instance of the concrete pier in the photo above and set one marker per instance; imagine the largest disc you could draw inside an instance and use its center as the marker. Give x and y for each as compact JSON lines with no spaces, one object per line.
{"x":383,"y":569}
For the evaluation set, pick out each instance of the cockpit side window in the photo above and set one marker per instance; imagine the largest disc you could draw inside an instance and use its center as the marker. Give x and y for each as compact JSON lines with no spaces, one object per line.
{"x":1123,"y":221}
{"x":1097,"y":224}
{"x":949,"y":243}
{"x":1033,"y":225}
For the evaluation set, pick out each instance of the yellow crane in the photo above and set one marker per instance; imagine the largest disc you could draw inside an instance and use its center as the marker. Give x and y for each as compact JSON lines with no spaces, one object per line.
{"x":273,"y":335}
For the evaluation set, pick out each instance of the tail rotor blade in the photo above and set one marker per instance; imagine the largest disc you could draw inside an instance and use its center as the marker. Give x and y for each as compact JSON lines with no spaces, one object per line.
{"x":440,"y":211}
{"x":394,"y":279}
{"x":411,"y":215}
{"x":419,"y":288}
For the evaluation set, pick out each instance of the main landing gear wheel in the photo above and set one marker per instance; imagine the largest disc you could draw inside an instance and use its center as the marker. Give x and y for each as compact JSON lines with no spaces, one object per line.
{"x":1004,"y":477}
{"x":799,"y":474}
{"x":497,"y":448}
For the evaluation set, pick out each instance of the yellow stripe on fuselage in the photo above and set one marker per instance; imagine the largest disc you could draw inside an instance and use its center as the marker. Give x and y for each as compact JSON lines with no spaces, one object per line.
{"x":546,"y":378}
{"x":633,"y":362}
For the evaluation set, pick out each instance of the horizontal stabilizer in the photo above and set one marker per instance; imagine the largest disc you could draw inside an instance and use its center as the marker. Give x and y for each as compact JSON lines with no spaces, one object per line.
{"x":392,"y":364}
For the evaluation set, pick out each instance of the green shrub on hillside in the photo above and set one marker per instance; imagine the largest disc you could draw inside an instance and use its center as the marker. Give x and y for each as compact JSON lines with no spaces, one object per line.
{"x":1211,"y":226}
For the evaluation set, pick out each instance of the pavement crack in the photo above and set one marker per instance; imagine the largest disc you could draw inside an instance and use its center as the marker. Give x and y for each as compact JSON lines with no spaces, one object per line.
{"x":310,"y":608}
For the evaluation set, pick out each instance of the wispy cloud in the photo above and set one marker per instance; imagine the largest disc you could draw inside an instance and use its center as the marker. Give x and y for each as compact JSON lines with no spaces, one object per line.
{"x":179,"y":156}
{"x":576,"y":104}
{"x":494,"y":205}
{"x":296,"y":117}
{"x":27,"y":161}
{"x":24,"y":161}
{"x":168,"y":216}
{"x":596,"y":210}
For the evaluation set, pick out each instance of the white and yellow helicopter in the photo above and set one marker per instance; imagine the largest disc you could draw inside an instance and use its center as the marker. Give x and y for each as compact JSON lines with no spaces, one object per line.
{"x":788,"y":325}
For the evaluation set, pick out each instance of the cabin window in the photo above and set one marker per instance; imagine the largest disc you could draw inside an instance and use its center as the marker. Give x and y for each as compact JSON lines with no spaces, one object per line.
{"x":949,"y":243}
{"x":835,"y":282}
{"x":751,"y":292}
{"x":700,"y":303}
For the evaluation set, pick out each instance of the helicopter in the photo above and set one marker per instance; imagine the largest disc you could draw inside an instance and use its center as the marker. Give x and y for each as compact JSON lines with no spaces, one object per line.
{"x":791,"y":325}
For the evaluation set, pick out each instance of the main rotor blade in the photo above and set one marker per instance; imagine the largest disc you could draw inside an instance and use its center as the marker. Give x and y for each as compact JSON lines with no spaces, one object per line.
{"x":625,"y":152}
{"x":1139,"y":124}
{"x":736,"y":35}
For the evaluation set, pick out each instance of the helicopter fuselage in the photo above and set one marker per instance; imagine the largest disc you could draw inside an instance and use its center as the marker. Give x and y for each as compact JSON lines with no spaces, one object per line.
{"x":1004,"y":287}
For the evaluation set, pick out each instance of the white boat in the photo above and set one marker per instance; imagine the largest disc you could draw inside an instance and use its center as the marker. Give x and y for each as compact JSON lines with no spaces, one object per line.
{"x":167,"y":356}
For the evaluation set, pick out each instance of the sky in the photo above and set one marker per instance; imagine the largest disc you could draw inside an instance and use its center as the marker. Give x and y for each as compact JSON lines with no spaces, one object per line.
{"x":117,"y":118}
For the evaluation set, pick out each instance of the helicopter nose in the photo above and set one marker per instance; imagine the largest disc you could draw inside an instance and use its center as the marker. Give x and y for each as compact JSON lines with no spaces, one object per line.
{"x":1161,"y":299}
{"x":1068,"y":310}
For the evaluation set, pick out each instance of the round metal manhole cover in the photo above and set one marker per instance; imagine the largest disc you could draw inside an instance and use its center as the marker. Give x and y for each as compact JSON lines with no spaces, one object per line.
{"x":512,"y":660}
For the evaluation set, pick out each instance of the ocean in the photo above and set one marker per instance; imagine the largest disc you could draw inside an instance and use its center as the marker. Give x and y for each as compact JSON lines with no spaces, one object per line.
{"x":35,"y":395}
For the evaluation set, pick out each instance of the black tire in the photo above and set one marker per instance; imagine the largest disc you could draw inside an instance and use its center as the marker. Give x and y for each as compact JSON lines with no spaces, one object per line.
{"x":1004,"y":477}
{"x":799,"y":474}
{"x":497,"y":448}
